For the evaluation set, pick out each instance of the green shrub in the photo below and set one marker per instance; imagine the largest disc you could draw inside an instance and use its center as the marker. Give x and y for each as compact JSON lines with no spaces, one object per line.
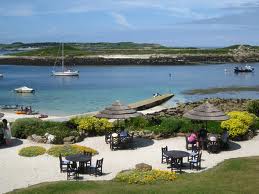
{"x":66,"y":150}
{"x":239,"y":123}
{"x":145,"y":177}
{"x":137,"y":123}
{"x":92,"y":125}
{"x":32,"y":151}
{"x":22,"y":128}
{"x":253,"y":107}
{"x":214,"y":127}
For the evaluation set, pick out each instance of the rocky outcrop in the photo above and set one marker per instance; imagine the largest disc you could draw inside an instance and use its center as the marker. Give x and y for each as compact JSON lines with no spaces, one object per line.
{"x":226,"y":105}
{"x":69,"y":140}
{"x":38,"y":138}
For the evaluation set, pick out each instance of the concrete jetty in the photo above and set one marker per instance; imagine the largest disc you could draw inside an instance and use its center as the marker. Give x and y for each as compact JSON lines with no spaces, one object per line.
{"x":151,"y":102}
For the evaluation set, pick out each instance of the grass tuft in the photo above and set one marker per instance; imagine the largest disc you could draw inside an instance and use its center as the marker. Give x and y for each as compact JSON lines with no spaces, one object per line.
{"x":32,"y":151}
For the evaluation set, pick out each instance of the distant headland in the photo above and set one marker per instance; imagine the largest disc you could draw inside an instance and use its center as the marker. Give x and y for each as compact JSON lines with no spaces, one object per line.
{"x":124,"y":53}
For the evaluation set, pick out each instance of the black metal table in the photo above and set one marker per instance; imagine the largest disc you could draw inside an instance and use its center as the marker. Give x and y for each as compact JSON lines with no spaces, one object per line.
{"x":83,"y":159}
{"x":177,"y":157}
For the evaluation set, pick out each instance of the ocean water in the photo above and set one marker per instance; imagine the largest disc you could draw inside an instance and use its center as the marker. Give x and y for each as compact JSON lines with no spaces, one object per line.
{"x":98,"y":87}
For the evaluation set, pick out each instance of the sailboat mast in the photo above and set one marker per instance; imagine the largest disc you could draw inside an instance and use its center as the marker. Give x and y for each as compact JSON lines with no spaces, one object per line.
{"x":62,"y":56}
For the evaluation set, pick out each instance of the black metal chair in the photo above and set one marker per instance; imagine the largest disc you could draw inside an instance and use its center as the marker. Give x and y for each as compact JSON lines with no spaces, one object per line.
{"x":164,"y":158}
{"x":98,"y":168}
{"x":88,"y":163}
{"x":72,"y":171}
{"x":176,"y":163}
{"x":213,"y":146}
{"x":194,"y":153}
{"x":195,"y":162}
{"x":115,"y":142}
{"x":107,"y":138}
{"x":63,"y":164}
{"x":130,"y":140}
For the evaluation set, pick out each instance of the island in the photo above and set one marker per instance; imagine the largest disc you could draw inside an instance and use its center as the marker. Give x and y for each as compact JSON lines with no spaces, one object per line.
{"x":124,"y":53}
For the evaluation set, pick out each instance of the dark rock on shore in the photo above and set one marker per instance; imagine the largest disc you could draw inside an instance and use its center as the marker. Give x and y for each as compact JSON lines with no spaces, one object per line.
{"x":226,"y":105}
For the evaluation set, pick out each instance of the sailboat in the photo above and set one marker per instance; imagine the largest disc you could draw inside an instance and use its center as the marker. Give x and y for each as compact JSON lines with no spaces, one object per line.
{"x":64,"y":71}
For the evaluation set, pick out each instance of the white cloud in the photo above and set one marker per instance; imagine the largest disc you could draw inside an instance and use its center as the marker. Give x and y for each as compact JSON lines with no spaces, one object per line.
{"x":121,"y":20}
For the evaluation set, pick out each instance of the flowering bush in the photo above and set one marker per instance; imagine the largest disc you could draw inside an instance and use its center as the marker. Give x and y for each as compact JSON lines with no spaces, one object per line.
{"x":92,"y":124}
{"x":32,"y":151}
{"x":145,"y":177}
{"x":66,"y":150}
{"x":239,"y":123}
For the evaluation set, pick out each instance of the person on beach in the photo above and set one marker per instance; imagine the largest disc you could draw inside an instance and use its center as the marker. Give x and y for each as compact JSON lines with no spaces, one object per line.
{"x":7,"y":132}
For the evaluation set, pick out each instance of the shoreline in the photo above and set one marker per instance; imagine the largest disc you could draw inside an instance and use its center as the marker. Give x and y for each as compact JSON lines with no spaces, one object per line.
{"x":13,"y":116}
{"x":121,"y":60}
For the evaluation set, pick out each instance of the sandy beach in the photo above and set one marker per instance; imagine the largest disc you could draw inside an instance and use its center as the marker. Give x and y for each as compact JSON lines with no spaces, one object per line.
{"x":21,"y":172}
{"x":11,"y":116}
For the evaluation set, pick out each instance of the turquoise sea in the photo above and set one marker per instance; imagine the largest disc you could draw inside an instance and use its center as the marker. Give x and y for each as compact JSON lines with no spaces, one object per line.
{"x":97,"y":87}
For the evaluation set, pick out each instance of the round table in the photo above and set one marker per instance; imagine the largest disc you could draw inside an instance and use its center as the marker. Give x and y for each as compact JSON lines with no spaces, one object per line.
{"x":176,"y":157}
{"x":79,"y":158}
{"x":83,"y":159}
{"x":177,"y":154}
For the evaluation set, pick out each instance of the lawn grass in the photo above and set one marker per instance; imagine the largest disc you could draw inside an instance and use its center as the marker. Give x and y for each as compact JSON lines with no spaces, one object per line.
{"x":239,"y":175}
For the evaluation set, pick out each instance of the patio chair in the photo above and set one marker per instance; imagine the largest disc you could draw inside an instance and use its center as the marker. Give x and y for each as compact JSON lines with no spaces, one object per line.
{"x":164,"y":158}
{"x":195,"y":151}
{"x":213,"y":146}
{"x":188,"y":143}
{"x":195,"y":162}
{"x":89,"y":163}
{"x":72,"y":171}
{"x":115,"y":142}
{"x":98,"y":168}
{"x":176,"y":163}
{"x":108,"y":138}
{"x":63,"y":164}
{"x":130,"y":140}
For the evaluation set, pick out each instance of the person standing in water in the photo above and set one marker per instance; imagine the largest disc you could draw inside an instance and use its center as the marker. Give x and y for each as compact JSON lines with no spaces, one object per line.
{"x":7,"y":132}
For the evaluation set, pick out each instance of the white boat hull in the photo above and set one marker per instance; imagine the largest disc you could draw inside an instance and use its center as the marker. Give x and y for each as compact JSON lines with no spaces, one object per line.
{"x":24,"y":91}
{"x":1,"y":75}
{"x":65,"y":73}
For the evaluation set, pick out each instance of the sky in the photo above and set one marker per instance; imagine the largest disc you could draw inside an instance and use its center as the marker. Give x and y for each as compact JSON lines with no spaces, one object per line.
{"x":202,"y":23}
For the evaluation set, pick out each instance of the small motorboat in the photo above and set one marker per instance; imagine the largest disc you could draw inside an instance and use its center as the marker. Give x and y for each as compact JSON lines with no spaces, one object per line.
{"x":246,"y":69}
{"x":24,"y":89}
{"x":1,"y":75}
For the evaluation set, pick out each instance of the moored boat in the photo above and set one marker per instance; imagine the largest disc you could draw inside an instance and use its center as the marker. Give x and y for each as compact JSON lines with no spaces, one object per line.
{"x":24,"y":89}
{"x":246,"y":69}
{"x":65,"y":72}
